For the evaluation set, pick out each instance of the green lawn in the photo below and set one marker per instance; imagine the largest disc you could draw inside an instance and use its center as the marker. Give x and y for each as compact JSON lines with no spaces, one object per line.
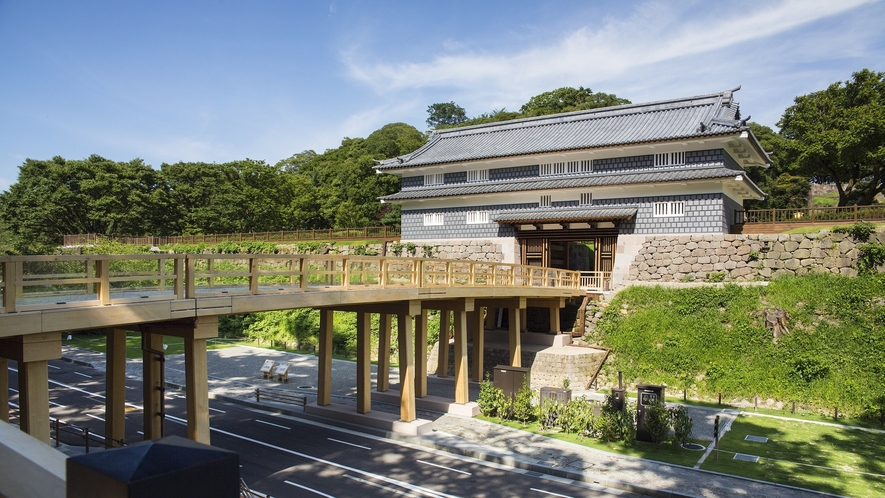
{"x":842,"y":461}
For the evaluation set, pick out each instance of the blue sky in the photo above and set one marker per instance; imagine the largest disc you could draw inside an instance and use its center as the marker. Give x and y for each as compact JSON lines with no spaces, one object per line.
{"x":221,"y":80}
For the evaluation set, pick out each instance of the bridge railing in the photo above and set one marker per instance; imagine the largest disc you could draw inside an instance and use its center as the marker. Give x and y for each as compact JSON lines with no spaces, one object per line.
{"x":43,"y":282}
{"x":848,"y":214}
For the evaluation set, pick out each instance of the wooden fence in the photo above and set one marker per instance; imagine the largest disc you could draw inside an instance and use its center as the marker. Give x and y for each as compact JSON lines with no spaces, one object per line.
{"x":845,"y":214}
{"x":384,"y":233}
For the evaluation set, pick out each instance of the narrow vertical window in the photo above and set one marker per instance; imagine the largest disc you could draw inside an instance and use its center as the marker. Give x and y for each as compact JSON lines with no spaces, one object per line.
{"x":433,"y":219}
{"x":546,"y":201}
{"x":435,"y":179}
{"x":478,"y":175}
{"x":586,"y":198}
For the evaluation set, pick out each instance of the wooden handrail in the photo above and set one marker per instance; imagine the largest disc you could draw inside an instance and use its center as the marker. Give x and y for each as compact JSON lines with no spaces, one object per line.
{"x":845,"y":214}
{"x":47,"y":282}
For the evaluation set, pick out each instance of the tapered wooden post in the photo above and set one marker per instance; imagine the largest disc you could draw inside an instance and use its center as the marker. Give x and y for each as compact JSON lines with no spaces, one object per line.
{"x":513,"y":316}
{"x":475,"y":324}
{"x":196,"y":370}
{"x":442,"y":366}
{"x":406,"y":368}
{"x":461,"y":394}
{"x":33,"y":395}
{"x":421,"y":355}
{"x":383,"y":381}
{"x":363,"y":362}
{"x":152,"y":387}
{"x":4,"y":390}
{"x":115,"y":388}
{"x":324,"y":376}
{"x":555,"y":327}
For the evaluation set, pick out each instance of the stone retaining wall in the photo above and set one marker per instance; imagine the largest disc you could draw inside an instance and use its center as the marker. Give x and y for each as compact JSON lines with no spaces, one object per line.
{"x":726,"y":257}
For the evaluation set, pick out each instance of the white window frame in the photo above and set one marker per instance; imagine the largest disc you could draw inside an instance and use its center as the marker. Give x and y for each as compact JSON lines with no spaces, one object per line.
{"x":434,"y":219}
{"x":669,"y":208}
{"x":434,"y":179}
{"x":546,"y":201}
{"x":477,"y":175}
{"x":586,"y":199}
{"x":477,"y":217}
{"x":670,"y":158}
{"x":566,"y":168}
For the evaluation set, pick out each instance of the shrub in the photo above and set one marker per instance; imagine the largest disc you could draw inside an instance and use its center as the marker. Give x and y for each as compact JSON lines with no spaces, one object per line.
{"x":522,"y":404}
{"x":657,"y":421}
{"x":682,"y":424}
{"x":549,"y":413}
{"x":492,"y":401}
{"x":870,"y":257}
{"x":860,"y":231}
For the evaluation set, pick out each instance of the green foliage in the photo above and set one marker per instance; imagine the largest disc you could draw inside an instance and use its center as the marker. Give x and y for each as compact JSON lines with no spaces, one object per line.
{"x":716,"y":339}
{"x":445,"y":113}
{"x":657,"y":421}
{"x":789,"y":191}
{"x":411,"y":248}
{"x":716,"y":277}
{"x":522,"y":404}
{"x":549,"y":413}
{"x":682,"y":424}
{"x":492,"y":401}
{"x":567,"y":99}
{"x":836,"y":136}
{"x":860,"y":231}
{"x":870,"y":257}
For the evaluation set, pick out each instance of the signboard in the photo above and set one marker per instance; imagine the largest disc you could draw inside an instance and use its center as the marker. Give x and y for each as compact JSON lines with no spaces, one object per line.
{"x":282,"y":371}
{"x":267,"y":367}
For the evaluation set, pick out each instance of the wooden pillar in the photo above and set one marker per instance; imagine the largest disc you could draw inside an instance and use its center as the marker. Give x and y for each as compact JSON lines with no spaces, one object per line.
{"x":421,"y":354}
{"x":383,"y":382}
{"x":514,"y":328}
{"x":152,"y":388}
{"x":442,"y":366}
{"x":363,"y":362}
{"x":406,"y":368}
{"x":475,"y":323}
{"x":33,"y":396}
{"x":4,"y":390}
{"x":32,"y":353}
{"x":461,"y":394}
{"x":523,"y":320}
{"x":324,"y":375}
{"x":196,"y":373}
{"x":555,"y":326}
{"x":115,"y":388}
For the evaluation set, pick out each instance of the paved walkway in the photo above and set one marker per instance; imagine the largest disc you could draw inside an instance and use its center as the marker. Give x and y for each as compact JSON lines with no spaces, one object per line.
{"x":233,"y":374}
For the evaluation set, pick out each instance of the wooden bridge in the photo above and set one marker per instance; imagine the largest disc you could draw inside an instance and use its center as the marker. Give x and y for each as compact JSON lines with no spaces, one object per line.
{"x":183,"y":296}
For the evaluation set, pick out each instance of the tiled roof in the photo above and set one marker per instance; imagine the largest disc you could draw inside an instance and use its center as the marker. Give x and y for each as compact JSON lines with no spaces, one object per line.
{"x":559,"y":214}
{"x":656,"y":175}
{"x":689,"y":117}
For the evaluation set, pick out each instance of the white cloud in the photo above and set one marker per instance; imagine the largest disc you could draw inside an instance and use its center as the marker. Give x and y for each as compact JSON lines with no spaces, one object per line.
{"x":654,"y":33}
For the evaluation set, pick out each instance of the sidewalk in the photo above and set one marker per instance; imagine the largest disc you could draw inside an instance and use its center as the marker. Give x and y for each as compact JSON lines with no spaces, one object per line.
{"x":233,"y":376}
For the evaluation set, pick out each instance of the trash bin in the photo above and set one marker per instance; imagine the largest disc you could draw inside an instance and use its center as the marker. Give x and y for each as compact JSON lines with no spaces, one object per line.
{"x":646,"y":396}
{"x":510,"y":379}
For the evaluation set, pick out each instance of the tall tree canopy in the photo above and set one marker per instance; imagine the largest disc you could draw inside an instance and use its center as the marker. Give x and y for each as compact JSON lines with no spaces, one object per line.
{"x":565,"y":99}
{"x":838,"y":135}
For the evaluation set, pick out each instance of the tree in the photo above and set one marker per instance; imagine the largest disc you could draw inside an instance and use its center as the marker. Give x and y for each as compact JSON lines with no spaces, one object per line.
{"x":567,"y":99}
{"x":838,"y":135}
{"x":445,"y":113}
{"x":773,"y":144}
{"x":296,"y":161}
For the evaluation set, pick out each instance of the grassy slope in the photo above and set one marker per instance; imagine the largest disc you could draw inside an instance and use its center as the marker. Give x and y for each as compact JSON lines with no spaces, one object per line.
{"x":714,"y":340}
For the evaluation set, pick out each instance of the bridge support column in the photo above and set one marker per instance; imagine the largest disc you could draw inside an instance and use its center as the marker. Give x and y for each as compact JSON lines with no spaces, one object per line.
{"x":406,"y":368}
{"x":421,"y":354}
{"x":32,"y":353}
{"x":476,"y":332}
{"x":363,"y":362}
{"x":523,"y":320}
{"x":324,"y":375}
{"x":514,"y":318}
{"x":462,"y":394}
{"x":555,"y":326}
{"x":4,"y":390}
{"x":442,"y":366}
{"x":196,"y":371}
{"x":153,"y":390}
{"x":383,"y":382}
{"x":115,"y":388}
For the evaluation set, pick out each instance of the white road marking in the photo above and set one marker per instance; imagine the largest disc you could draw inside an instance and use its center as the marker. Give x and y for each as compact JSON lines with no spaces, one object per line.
{"x":275,"y":425}
{"x":53,"y":366}
{"x":217,"y":410}
{"x":13,"y":404}
{"x":13,"y":390}
{"x":56,"y":404}
{"x":385,"y":488}
{"x":140,"y":432}
{"x":308,"y":489}
{"x":83,"y":375}
{"x":96,"y":435}
{"x":96,"y":417}
{"x":349,"y":444}
{"x":549,"y":493}
{"x":444,"y":467}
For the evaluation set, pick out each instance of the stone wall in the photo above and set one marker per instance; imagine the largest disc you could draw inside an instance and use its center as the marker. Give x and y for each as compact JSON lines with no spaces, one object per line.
{"x":748,"y":257}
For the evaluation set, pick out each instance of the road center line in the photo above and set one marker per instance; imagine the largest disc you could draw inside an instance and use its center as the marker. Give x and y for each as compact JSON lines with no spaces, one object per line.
{"x":349,"y":444}
{"x":275,"y":425}
{"x":381,"y":486}
{"x":444,"y":467}
{"x":308,"y":489}
{"x":551,"y":493}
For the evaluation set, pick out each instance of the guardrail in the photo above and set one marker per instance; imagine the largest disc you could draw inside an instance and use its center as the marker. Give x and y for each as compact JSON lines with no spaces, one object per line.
{"x":596,"y":280}
{"x":330,"y":234}
{"x":849,"y":214}
{"x":44,"y":282}
{"x":279,"y":396}
{"x":59,"y":426}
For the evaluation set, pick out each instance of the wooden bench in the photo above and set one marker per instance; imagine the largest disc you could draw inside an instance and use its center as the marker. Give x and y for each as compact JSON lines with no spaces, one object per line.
{"x":280,"y":396}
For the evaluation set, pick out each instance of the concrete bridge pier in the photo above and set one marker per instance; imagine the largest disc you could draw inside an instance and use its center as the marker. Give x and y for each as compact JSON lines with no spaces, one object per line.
{"x":32,"y":353}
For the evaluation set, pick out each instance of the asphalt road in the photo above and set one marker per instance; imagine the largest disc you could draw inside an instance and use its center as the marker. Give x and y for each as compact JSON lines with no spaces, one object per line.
{"x":288,"y":456}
